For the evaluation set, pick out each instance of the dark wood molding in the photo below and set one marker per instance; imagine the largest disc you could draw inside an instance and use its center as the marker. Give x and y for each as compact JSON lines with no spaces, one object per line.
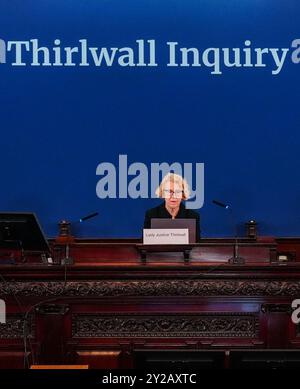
{"x":248,"y":287}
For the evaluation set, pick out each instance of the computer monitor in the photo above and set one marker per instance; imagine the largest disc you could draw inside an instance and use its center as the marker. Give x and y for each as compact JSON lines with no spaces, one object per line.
{"x":190,"y":224}
{"x":22,"y":230}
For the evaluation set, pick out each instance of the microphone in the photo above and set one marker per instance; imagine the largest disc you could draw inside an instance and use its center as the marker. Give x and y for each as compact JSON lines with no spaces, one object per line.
{"x":221,"y":204}
{"x":88,"y":217}
{"x":68,"y":260}
{"x":236,"y":259}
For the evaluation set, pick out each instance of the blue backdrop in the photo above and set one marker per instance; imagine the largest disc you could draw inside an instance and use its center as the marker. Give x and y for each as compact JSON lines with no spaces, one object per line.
{"x":59,"y":123}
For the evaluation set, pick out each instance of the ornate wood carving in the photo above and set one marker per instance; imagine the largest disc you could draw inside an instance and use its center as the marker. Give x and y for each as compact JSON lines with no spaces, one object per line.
{"x":152,"y":288}
{"x":171,"y":325}
{"x":14,"y":327}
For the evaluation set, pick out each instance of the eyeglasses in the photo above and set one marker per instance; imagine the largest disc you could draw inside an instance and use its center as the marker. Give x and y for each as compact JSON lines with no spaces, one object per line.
{"x":177,"y":194}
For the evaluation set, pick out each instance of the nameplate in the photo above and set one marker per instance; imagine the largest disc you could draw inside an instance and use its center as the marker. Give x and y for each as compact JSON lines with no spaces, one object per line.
{"x":166,"y":236}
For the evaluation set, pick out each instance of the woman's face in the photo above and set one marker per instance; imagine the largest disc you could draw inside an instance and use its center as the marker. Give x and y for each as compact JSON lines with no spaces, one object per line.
{"x":172,"y":194}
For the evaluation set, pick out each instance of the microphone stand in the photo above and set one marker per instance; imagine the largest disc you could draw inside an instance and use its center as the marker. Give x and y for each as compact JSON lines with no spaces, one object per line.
{"x":67,"y":260}
{"x":67,"y":239}
{"x":236,"y":259}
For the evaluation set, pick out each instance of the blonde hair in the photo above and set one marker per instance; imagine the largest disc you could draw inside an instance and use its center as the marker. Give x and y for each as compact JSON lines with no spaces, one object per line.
{"x":175,"y":178}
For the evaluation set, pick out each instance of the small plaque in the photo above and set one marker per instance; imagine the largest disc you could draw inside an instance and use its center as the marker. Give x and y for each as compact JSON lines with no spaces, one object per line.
{"x":166,"y":236}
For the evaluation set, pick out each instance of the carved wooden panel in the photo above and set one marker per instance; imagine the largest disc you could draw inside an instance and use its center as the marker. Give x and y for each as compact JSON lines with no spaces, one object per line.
{"x":153,"y":288}
{"x":14,"y":327}
{"x":170,"y":325}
